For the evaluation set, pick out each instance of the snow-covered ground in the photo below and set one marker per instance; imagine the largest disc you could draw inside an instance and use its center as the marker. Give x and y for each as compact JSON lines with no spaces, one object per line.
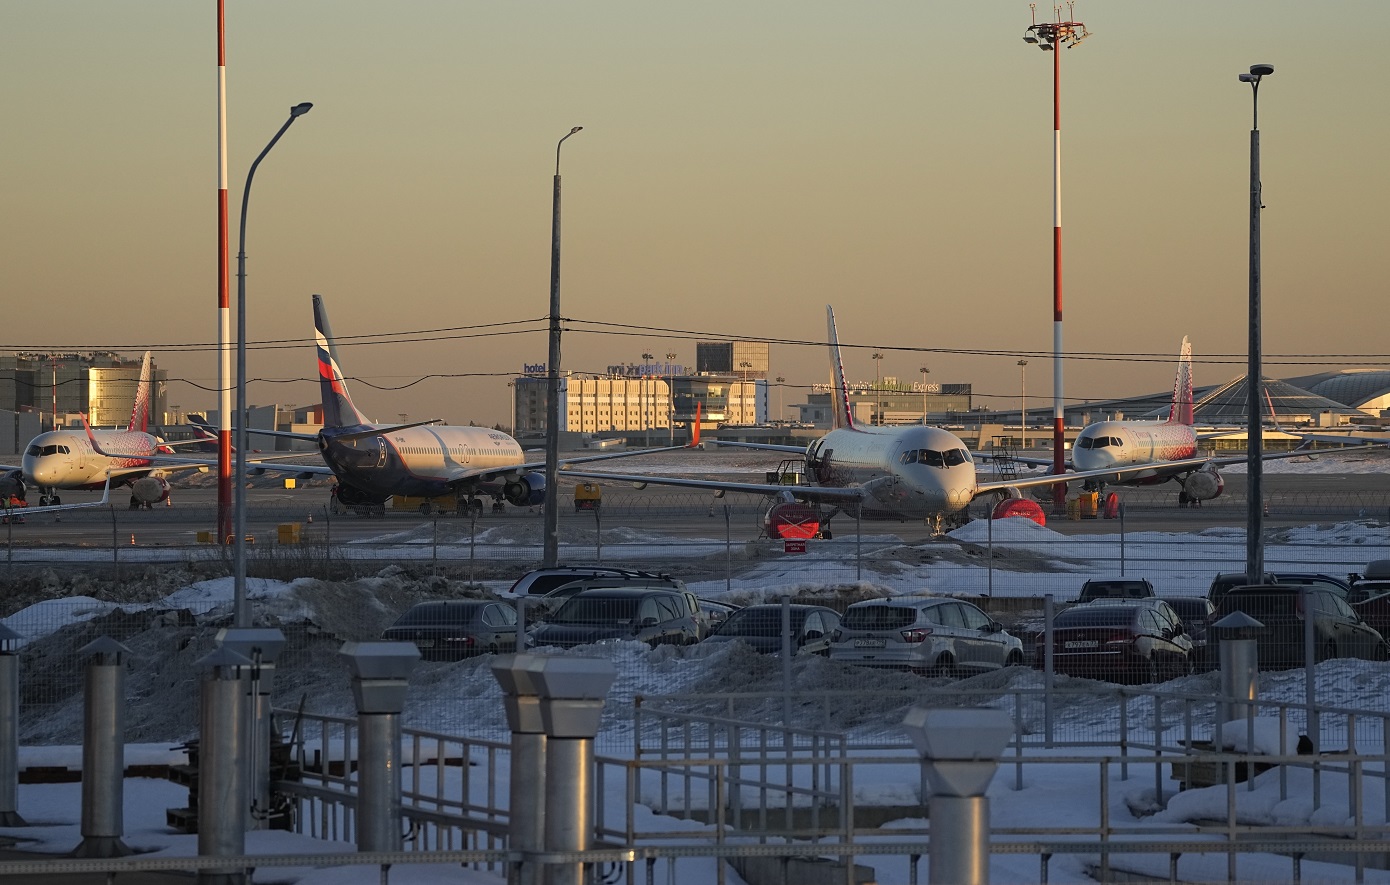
{"x":463,"y":698}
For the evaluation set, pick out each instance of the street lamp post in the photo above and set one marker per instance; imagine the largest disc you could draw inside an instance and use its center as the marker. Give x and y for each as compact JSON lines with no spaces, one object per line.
{"x":551,"y":552}
{"x":1023,"y":401}
{"x":925,"y":372}
{"x":780,"y":382}
{"x":241,"y":613}
{"x":878,"y":393}
{"x":1254,"y":373}
{"x":1053,"y":36}
{"x":644,"y":399}
{"x":743,"y":391}
{"x":511,"y":420}
{"x":670,"y":400}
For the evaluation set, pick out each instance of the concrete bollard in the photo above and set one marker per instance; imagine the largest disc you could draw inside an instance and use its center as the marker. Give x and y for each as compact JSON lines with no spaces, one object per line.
{"x":222,"y":785}
{"x":103,"y":750}
{"x":526,"y":804}
{"x":9,"y":729}
{"x":379,"y":674}
{"x":262,"y":648}
{"x":1240,"y":666}
{"x":960,"y":751}
{"x":572,"y":691}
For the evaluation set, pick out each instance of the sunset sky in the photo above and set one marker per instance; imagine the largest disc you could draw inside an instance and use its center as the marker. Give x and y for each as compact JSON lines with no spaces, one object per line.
{"x":742,"y":165}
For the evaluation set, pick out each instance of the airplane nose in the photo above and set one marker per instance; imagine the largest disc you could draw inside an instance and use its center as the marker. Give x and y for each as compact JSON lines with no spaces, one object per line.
{"x":42,"y":472}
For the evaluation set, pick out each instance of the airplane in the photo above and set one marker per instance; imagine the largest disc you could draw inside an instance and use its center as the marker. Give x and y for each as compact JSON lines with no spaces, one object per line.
{"x":903,"y":472}
{"x":1152,"y":452}
{"x":427,"y":459}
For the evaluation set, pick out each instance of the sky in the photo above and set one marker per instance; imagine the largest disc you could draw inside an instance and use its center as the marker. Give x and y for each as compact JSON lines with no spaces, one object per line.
{"x":741,"y":166}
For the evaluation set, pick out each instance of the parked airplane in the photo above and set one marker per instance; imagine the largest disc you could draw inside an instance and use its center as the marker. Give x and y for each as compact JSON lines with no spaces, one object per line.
{"x":1152,"y":452}
{"x":911,"y":472}
{"x":70,"y":459}
{"x":422,"y":459}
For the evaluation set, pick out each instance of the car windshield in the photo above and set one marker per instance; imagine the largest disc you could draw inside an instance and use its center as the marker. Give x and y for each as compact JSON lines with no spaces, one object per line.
{"x":596,"y":610}
{"x":763,"y":622}
{"x":437,"y":614}
{"x":878,"y":617}
{"x":1100,"y":616}
{"x":1260,"y":605}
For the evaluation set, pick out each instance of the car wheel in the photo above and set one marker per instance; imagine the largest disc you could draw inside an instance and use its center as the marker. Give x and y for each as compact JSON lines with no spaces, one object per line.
{"x":945,"y":666}
{"x":1015,"y":659}
{"x":1381,"y":653}
{"x":1329,"y":651}
{"x":1152,"y":675}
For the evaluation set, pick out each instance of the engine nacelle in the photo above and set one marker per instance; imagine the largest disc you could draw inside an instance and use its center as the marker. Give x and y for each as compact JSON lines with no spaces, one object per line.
{"x":526,"y":490}
{"x":150,"y":489}
{"x":352,"y":496}
{"x":12,"y":485}
{"x":1203,"y":485}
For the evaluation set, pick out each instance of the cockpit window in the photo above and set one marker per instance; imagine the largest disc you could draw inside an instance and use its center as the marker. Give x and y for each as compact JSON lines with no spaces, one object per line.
{"x":39,"y":451}
{"x":956,"y":456}
{"x":33,"y":451}
{"x":908,"y":457}
{"x":932,"y":458}
{"x":1115,"y":441}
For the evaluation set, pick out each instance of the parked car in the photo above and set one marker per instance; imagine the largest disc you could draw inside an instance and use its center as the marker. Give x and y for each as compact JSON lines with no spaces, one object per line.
{"x":543,"y":580}
{"x":926,"y":636}
{"x":760,"y":626}
{"x":715,"y":613}
{"x":1115,"y":588}
{"x":451,"y":630}
{"x":1338,"y":631}
{"x":1375,"y":581}
{"x":655,"y":616}
{"x":1224,"y":582}
{"x":1196,"y":614}
{"x":1119,"y":641}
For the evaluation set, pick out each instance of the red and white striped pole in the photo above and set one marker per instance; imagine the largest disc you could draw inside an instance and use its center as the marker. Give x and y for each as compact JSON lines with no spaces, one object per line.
{"x":224,"y":322}
{"x":1059,"y":460}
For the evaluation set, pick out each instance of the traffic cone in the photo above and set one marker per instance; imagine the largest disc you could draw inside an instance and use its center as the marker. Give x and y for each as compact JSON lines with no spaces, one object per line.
{"x":1266,"y":507}
{"x":132,"y":539}
{"x":311,"y":517}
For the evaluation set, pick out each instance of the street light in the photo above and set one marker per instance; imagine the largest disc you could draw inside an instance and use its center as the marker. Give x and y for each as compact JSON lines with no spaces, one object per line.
{"x":925,"y":372}
{"x":780,"y":382}
{"x":1023,"y":400}
{"x":551,"y":510}
{"x":241,"y":614}
{"x":743,"y":391}
{"x":511,"y":421}
{"x":1254,"y":373}
{"x":643,"y":399}
{"x":670,"y":399}
{"x":1052,"y":36}
{"x":878,"y":362}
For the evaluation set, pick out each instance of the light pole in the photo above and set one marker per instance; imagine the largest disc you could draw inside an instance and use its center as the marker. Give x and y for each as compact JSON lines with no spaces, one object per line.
{"x":1052,"y":36}
{"x":511,"y":395}
{"x":780,"y":382}
{"x":925,"y":372}
{"x":1023,"y":401}
{"x":242,"y":614}
{"x":670,"y":399}
{"x":743,"y":391}
{"x":878,"y":411}
{"x":1254,"y":373}
{"x":551,"y":552}
{"x":643,"y":399}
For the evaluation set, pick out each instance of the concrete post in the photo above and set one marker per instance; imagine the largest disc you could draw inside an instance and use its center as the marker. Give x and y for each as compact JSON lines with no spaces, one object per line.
{"x":571,"y":705}
{"x":960,"y":751}
{"x":1240,"y":666}
{"x":262,"y":648}
{"x":379,"y":674}
{"x":9,"y":729}
{"x":526,"y":805}
{"x":103,"y":750}
{"x":222,"y":790}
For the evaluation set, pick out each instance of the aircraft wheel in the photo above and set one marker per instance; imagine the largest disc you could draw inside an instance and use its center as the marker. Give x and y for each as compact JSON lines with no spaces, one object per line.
{"x":475,"y":506}
{"x":43,"y":500}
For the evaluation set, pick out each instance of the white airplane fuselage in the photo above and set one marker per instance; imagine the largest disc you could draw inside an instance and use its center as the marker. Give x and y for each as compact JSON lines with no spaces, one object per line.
{"x":910,"y":472}
{"x":65,"y":459}
{"x":1108,"y":444}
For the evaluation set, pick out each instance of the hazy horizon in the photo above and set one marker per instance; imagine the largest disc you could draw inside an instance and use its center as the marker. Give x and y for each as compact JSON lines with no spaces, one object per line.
{"x":741,"y":166}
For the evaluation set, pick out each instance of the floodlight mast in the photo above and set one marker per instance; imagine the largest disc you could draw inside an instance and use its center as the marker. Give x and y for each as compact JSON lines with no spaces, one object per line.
{"x":1050,"y":36}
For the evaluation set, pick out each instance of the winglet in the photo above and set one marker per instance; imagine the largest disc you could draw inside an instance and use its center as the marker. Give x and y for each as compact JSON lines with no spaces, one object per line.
{"x":695,"y":427}
{"x":1182,"y":410}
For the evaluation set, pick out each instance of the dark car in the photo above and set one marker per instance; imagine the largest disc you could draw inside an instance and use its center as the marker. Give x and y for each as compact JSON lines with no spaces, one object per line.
{"x":455,"y":629}
{"x":760,"y":626}
{"x":1118,"y":641}
{"x":1115,"y":588}
{"x":1224,"y":582}
{"x":1196,"y":614}
{"x":541,"y":581}
{"x":1338,"y":631}
{"x":651,"y":615}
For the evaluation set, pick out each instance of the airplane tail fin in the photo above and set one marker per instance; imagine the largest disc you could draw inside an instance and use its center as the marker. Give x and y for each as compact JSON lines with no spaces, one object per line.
{"x":338,"y":410}
{"x":839,"y":388}
{"x":695,"y":427}
{"x":1181,"y":411}
{"x":140,"y":414}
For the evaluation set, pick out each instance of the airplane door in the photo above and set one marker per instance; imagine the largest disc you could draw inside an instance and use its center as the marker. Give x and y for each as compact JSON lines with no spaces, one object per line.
{"x":381,"y":451}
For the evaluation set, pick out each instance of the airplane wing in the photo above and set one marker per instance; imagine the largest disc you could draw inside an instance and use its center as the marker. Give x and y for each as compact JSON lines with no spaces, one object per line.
{"x":55,"y":508}
{"x":766,"y":447}
{"x":173,"y":463}
{"x":491,"y":473}
{"x":1112,"y":475}
{"x":802,"y":492}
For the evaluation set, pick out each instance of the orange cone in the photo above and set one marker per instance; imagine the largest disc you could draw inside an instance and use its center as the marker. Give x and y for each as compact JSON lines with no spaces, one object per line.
{"x":132,"y":539}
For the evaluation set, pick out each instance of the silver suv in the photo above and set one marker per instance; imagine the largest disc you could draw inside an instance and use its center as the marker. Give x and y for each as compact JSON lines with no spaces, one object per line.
{"x":927,"y":636}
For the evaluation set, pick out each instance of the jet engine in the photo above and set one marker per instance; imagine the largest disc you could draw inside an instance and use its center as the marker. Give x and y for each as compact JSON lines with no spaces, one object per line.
{"x":149,"y":489}
{"x":525,"y":490}
{"x":1203,"y":485}
{"x":352,"y":496}
{"x":12,"y":485}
